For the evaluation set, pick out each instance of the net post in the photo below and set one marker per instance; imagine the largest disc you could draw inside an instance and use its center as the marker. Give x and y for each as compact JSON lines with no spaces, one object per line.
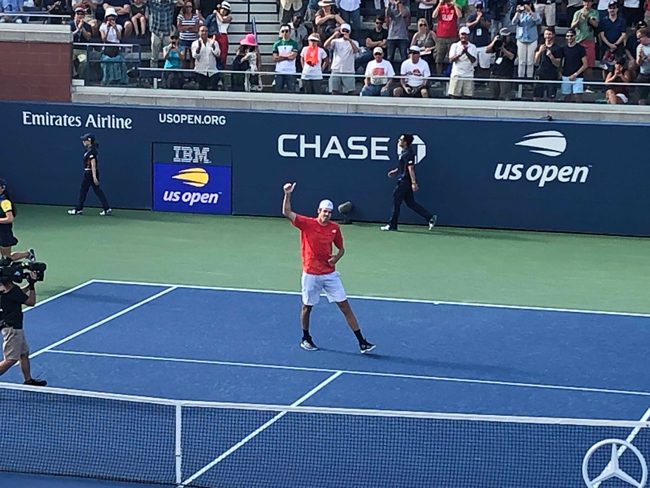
{"x":178,"y":450}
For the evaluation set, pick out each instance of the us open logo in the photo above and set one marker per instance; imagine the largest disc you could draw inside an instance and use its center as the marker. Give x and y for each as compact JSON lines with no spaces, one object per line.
{"x":550,"y":143}
{"x":198,"y":178}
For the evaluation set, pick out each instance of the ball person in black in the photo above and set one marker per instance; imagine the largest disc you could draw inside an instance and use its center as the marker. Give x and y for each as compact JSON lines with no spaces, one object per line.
{"x":91,"y":177}
{"x":7,"y":217}
{"x":406,"y":185}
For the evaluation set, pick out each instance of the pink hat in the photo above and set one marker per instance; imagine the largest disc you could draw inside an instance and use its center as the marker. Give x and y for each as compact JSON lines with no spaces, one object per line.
{"x":248,"y":40}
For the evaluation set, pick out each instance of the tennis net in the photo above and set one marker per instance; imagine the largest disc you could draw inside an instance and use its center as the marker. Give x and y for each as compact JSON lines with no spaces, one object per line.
{"x":226,"y":445}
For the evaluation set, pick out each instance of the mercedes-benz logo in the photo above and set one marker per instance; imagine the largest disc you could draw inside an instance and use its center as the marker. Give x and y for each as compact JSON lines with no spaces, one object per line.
{"x":613,"y":469}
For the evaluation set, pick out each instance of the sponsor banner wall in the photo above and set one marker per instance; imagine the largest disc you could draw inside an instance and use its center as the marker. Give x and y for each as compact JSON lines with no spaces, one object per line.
{"x":520,"y":174}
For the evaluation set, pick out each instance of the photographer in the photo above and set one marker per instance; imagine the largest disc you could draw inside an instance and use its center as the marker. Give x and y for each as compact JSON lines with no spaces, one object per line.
{"x":526,"y":20}
{"x":503,"y":68}
{"x":14,"y":345}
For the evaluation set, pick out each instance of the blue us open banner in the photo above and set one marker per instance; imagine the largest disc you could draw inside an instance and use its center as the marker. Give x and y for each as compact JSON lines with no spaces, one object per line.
{"x":192,"y":177}
{"x":191,"y":188}
{"x":472,"y":172}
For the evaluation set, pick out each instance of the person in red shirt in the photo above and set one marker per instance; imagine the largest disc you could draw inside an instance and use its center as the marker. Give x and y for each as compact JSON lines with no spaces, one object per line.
{"x":318,"y":266}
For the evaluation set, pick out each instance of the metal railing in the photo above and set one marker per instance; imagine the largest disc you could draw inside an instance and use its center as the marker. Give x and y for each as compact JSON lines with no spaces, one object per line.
{"x":436,"y":87}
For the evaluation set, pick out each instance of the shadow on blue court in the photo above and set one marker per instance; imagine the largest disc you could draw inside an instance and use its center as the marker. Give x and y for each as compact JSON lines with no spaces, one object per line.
{"x":217,"y":345}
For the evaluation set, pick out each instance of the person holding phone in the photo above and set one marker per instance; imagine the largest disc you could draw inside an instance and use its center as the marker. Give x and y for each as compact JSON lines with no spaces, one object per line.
{"x":173,"y":61}
{"x":526,"y":20}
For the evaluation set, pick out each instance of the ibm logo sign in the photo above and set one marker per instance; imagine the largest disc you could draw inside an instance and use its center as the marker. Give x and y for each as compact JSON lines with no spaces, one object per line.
{"x":191,"y":154}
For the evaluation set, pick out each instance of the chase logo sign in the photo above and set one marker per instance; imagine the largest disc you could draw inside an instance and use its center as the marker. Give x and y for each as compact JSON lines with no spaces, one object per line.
{"x":184,"y":188}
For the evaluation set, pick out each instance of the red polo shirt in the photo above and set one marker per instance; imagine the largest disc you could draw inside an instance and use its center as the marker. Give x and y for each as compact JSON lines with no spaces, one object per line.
{"x":316,"y":244}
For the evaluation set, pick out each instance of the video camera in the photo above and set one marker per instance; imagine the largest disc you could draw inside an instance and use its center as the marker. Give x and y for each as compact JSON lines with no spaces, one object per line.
{"x":17,"y":271}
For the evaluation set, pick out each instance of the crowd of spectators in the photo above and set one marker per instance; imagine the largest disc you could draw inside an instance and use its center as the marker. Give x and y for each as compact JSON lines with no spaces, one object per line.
{"x":455,"y":40}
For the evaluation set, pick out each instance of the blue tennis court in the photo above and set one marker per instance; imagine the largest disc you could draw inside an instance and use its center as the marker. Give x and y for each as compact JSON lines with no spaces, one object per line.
{"x":183,"y":343}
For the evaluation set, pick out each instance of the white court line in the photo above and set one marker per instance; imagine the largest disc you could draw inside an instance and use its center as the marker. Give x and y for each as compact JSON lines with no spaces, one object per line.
{"x":59,"y":295}
{"x":358,"y":373}
{"x":101,"y":322}
{"x":387,"y":299}
{"x":260,"y":429}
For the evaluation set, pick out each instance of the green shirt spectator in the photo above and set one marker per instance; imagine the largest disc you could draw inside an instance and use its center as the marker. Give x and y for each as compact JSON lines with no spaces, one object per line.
{"x":582,"y":26}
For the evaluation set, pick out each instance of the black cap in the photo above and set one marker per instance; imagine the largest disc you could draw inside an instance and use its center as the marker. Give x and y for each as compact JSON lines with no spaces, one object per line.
{"x":88,"y":136}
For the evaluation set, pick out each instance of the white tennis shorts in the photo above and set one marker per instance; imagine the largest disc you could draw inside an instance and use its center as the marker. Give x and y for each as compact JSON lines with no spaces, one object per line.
{"x":313,"y":285}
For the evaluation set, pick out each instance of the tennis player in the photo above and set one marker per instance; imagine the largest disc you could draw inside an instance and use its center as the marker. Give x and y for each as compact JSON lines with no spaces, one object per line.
{"x":318,"y":266}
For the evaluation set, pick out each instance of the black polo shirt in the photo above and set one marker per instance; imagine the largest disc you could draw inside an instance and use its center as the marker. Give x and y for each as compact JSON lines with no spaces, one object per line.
{"x":11,"y":304}
{"x":91,"y":152}
{"x":406,"y":159}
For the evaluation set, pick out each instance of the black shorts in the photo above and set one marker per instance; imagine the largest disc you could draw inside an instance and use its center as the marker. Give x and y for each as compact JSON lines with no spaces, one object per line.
{"x":7,"y":238}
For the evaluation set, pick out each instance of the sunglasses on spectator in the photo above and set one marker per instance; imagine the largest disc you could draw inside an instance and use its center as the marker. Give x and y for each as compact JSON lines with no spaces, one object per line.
{"x":345,"y":30}
{"x":422,"y":25}
{"x":379,"y":54}
{"x":378,"y":22}
{"x":284,"y":31}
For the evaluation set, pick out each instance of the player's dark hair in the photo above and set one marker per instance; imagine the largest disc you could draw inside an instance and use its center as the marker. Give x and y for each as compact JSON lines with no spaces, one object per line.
{"x":408,"y":138}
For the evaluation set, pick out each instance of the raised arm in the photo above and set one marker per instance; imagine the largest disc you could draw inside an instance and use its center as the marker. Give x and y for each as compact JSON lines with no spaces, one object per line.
{"x":286,"y":201}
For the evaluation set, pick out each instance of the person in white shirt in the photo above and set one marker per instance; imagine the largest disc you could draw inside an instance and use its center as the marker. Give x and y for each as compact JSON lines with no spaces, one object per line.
{"x":462,"y":56}
{"x":205,"y":52}
{"x":379,"y":74}
{"x":311,"y":59}
{"x":415,"y":72}
{"x":110,"y":31}
{"x":343,"y":50}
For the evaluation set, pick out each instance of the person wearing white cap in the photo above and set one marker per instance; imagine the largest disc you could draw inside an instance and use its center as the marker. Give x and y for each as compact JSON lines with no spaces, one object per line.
{"x":218,"y":23}
{"x":379,"y":74}
{"x":462,"y":56}
{"x":344,"y":50}
{"x":414,"y":71}
{"x":311,"y":59}
{"x":317,"y":235}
